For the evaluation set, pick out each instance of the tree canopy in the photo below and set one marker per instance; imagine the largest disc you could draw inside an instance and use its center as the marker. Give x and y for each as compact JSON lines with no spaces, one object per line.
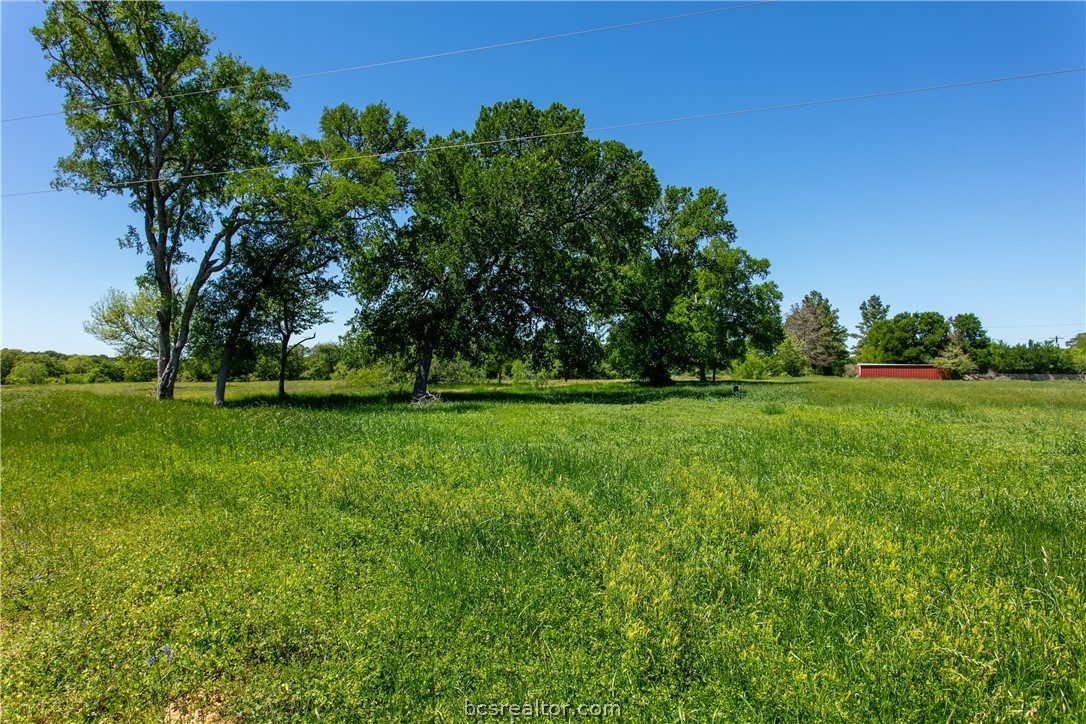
{"x":688,"y":295}
{"x":814,"y":326}
{"x":909,"y":338}
{"x":155,"y":120}
{"x":509,"y":231}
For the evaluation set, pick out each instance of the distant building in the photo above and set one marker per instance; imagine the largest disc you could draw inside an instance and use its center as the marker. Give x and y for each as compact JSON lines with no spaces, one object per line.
{"x":901,"y":372}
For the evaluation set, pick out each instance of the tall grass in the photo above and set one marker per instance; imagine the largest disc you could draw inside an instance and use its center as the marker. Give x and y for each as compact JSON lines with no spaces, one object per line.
{"x":818,"y":550}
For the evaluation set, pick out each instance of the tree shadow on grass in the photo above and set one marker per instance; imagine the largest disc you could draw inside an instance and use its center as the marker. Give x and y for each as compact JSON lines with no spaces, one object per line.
{"x":329,"y":401}
{"x":467,"y":398}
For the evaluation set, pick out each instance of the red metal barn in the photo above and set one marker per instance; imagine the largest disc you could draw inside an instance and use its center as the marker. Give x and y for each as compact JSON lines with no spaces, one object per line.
{"x":901,"y":372}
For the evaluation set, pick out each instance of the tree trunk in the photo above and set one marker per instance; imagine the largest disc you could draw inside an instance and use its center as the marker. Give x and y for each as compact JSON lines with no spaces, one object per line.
{"x":224,"y":372}
{"x":228,"y":347}
{"x":714,"y":374}
{"x":164,"y":384}
{"x":422,"y":374}
{"x":658,"y":376}
{"x":284,"y":352}
{"x":168,"y":378}
{"x":701,"y":372}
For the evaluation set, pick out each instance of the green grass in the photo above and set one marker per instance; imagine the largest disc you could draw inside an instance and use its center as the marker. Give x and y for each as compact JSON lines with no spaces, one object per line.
{"x":818,"y":550}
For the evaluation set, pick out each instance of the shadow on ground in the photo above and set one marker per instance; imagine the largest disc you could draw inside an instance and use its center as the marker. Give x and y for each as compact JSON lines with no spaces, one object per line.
{"x":466,"y":398}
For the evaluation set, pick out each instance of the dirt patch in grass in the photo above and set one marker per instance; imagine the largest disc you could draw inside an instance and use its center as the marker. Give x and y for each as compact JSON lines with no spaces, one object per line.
{"x":198,"y":707}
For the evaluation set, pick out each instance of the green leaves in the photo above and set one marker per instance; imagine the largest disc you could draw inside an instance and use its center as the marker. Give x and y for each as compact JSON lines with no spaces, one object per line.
{"x":152,"y":119}
{"x":814,"y":326}
{"x":508,"y":233}
{"x":688,"y":297}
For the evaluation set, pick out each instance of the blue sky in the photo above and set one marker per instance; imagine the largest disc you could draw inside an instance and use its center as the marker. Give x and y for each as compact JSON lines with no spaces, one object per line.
{"x":964,"y":200}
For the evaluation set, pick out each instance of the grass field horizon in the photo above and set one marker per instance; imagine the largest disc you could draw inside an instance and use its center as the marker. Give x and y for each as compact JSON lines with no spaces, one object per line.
{"x":818,"y":549}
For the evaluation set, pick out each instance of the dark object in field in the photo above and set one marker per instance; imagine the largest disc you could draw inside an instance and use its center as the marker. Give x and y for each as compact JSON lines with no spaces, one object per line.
{"x":735,"y":389}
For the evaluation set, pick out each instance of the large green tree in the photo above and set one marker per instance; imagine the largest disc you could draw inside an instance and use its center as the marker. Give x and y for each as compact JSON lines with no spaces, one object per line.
{"x":301,"y":221}
{"x":907,"y":338}
{"x":155,"y":120}
{"x":733,"y":309}
{"x":815,"y":327}
{"x":513,"y":228}
{"x":690,"y":296}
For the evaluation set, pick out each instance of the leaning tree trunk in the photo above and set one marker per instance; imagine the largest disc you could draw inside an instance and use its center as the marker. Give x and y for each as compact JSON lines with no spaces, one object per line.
{"x":422,"y":373}
{"x":224,"y":372}
{"x":166,"y":380}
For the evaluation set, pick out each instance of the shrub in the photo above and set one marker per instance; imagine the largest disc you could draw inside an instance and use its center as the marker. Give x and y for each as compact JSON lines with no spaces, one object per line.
{"x":519,"y":372}
{"x":751,"y":367}
{"x":794,"y":362}
{"x":139,"y":369}
{"x":956,"y":361}
{"x":456,"y":371}
{"x":28,"y":373}
{"x":105,"y":371}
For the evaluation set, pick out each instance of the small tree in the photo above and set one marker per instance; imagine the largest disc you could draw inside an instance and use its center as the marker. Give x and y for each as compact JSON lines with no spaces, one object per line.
{"x":871,"y":310}
{"x":296,"y":305}
{"x":968,"y":333}
{"x":956,"y":361}
{"x":793,"y":360}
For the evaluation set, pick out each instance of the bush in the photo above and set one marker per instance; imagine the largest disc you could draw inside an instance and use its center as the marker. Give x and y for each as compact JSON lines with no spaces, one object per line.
{"x":321,"y":360}
{"x":757,"y":366}
{"x":8,"y":359}
{"x":794,"y":362}
{"x":139,"y":369}
{"x":28,"y":373}
{"x":956,"y":362}
{"x":518,"y":372}
{"x":105,"y":371}
{"x":752,"y":367}
{"x":456,"y":371}
{"x":379,"y":374}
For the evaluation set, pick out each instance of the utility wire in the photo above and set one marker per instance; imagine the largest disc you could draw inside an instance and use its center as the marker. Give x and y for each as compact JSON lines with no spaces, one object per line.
{"x":431,"y":56}
{"x":597,"y":129}
{"x":1022,"y":326}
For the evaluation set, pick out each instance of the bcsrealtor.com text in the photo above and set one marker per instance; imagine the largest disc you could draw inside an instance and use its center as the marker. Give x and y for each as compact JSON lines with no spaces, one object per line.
{"x":540,"y":709}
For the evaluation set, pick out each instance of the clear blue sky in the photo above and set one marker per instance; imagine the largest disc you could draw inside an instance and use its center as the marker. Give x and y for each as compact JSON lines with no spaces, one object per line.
{"x":966,"y":200}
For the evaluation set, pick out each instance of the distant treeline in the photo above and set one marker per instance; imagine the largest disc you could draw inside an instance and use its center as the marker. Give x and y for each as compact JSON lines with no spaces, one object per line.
{"x":958,"y":344}
{"x":325,"y":361}
{"x":352,"y":362}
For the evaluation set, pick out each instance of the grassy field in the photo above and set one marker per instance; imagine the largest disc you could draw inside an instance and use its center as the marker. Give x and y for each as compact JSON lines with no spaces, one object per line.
{"x":814,"y":550}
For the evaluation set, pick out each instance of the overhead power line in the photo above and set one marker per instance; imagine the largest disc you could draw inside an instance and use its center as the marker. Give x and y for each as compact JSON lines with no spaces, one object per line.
{"x":401,"y":61}
{"x":1030,"y":326}
{"x":597,"y":129}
